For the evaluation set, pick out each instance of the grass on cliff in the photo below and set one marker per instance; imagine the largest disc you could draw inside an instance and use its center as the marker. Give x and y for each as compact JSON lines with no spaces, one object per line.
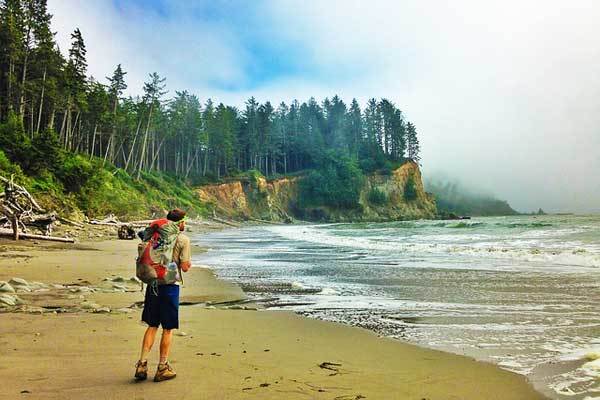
{"x":81,"y":186}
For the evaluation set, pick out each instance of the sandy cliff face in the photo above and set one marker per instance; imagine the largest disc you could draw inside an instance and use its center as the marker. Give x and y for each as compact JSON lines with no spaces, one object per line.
{"x":394,"y":186}
{"x":277,"y":200}
{"x":260,"y":199}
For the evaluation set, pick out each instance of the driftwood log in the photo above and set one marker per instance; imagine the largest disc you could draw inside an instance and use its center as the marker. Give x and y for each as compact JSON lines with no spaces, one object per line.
{"x":20,"y":210}
{"x":10,"y":233}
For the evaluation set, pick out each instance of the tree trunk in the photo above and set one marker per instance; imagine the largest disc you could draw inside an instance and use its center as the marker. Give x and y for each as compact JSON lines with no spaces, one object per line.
{"x":108,"y":146}
{"x":190,"y":165}
{"x":156,"y":153}
{"x":64,"y":122}
{"x":205,"y":162}
{"x":39,"y":121}
{"x":93,"y":141}
{"x":9,"y":88}
{"x":133,"y":144}
{"x":143,"y":153}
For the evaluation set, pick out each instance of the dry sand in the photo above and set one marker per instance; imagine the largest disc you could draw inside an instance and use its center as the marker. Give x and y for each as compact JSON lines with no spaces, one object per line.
{"x":224,"y":353}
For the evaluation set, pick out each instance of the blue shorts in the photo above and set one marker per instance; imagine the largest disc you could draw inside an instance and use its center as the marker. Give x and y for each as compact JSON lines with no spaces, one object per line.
{"x":162,"y":309}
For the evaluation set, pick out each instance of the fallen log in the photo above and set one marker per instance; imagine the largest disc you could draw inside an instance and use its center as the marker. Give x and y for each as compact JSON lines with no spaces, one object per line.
{"x":10,"y":233}
{"x":115,"y":224}
{"x":225,"y":222}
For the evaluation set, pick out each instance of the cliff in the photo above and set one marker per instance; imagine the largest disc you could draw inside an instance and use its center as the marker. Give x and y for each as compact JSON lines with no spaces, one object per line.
{"x":398,"y":196}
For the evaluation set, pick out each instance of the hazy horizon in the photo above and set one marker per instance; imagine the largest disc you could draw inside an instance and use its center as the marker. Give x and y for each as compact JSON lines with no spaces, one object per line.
{"x":505,"y":96}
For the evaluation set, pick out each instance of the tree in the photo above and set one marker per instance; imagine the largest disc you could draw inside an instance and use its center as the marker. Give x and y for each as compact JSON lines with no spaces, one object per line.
{"x":354,"y":128}
{"x":75,"y":85}
{"x":413,"y":143}
{"x":153,"y":91}
{"x":115,"y":89}
{"x":11,"y":47}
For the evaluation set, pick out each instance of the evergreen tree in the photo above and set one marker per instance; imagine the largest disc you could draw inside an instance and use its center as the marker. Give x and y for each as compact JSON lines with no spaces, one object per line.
{"x":413,"y":143}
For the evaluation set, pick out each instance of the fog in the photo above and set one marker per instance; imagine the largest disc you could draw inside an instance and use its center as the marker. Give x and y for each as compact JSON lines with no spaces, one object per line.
{"x":505,"y":95}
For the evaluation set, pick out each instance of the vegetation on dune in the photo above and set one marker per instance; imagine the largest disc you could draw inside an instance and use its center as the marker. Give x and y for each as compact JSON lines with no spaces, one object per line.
{"x":80,"y":184}
{"x":377,"y":197}
{"x":410,"y":190}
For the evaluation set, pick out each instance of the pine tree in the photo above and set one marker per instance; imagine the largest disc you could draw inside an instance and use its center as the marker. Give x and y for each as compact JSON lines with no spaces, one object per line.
{"x":116,"y":87}
{"x":413,"y":143}
{"x":354,"y":128}
{"x":153,"y":92}
{"x":11,"y":47}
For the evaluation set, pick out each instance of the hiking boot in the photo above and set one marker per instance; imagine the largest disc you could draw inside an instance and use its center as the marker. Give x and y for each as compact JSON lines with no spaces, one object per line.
{"x":164,"y":373}
{"x":141,"y":370}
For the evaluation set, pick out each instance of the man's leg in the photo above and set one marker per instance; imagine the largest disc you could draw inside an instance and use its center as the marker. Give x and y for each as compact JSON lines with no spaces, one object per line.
{"x":148,"y":341}
{"x":164,"y":370}
{"x":165,"y":345}
{"x":141,"y":368}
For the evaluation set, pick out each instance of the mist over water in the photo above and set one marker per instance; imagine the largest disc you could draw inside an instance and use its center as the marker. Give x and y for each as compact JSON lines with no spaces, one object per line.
{"x":521,"y":292}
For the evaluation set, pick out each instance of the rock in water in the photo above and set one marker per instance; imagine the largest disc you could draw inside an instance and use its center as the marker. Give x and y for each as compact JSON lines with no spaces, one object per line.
{"x":5,"y":287}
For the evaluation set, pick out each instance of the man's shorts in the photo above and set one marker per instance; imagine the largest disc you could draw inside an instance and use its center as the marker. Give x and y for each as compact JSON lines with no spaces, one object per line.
{"x":161,"y":307}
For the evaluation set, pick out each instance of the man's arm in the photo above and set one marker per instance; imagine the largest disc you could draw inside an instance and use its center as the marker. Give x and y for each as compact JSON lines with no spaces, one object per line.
{"x":183,"y":253}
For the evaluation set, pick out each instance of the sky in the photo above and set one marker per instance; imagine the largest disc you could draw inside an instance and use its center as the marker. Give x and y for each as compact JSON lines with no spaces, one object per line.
{"x":505,"y":95}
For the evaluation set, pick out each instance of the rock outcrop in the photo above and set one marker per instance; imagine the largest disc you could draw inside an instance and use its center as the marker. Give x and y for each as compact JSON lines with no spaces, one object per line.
{"x":277,"y":200}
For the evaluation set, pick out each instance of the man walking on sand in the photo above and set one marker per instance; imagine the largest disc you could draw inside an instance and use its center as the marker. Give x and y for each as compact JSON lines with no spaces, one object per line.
{"x":161,"y":307}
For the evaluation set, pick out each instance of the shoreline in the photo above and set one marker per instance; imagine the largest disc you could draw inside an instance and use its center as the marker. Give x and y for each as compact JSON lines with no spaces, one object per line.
{"x":222,"y":351}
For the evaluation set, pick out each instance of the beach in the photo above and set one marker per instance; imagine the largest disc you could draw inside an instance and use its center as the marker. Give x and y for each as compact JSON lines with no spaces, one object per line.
{"x":78,"y":336}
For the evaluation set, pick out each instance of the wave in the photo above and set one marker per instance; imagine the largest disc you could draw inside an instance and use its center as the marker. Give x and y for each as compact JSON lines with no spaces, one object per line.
{"x":461,"y":225}
{"x":521,"y":253}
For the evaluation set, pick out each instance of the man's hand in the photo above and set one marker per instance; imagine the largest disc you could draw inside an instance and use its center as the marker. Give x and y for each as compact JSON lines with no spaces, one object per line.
{"x":185,"y":266}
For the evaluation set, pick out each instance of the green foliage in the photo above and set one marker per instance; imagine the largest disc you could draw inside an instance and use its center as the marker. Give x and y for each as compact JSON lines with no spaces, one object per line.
{"x":377,"y":197}
{"x":336,"y":183}
{"x":46,"y":153}
{"x":7,"y":168}
{"x":254,"y":175}
{"x":75,"y":172}
{"x":117,"y":192}
{"x":410,"y":190}
{"x":13,"y":141}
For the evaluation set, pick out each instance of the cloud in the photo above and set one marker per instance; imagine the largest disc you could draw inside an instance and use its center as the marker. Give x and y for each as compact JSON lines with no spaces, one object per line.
{"x":505,"y":95}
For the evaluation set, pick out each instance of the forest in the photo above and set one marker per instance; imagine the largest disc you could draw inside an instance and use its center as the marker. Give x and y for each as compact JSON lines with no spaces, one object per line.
{"x":53,"y":117}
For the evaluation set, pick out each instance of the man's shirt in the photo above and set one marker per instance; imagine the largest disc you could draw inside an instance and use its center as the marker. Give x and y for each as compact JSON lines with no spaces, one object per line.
{"x":182,"y":251}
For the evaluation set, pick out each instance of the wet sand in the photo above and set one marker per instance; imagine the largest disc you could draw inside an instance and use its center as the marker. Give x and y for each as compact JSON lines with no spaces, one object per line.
{"x":55,"y":348}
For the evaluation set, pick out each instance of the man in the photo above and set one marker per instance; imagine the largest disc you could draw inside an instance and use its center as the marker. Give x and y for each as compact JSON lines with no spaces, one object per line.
{"x":161,"y":307}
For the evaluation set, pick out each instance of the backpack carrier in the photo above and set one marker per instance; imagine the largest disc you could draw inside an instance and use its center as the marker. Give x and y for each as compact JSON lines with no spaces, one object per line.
{"x":154,"y":264}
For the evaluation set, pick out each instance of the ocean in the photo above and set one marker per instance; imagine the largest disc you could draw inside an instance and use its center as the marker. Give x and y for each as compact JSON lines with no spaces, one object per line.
{"x":521,"y":292}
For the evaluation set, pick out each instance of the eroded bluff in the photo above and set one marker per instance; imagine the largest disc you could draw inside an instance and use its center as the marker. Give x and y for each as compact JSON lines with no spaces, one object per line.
{"x":382,"y":198}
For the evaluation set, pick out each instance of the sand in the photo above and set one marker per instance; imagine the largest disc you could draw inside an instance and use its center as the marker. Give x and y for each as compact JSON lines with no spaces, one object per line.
{"x":219,"y":353}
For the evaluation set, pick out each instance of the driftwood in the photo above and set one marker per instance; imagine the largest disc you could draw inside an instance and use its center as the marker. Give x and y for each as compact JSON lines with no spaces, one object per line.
{"x":7,"y":232}
{"x":225,"y":222}
{"x":21,"y":210}
{"x":22,"y":191}
{"x":110,"y":220}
